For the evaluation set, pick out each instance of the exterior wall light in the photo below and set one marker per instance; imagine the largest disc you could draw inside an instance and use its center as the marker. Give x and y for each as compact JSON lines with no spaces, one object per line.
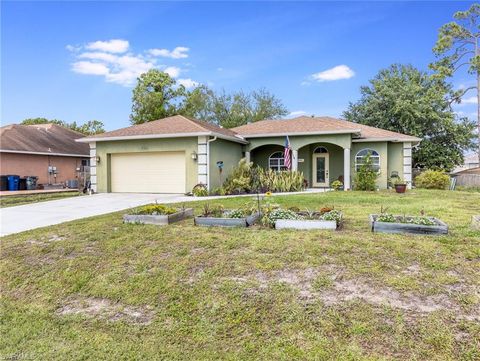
{"x":98,"y":159}
{"x":194,"y":155}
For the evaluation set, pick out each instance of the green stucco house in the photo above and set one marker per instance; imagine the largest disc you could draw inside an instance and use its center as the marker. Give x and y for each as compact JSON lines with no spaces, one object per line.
{"x":174,"y":154}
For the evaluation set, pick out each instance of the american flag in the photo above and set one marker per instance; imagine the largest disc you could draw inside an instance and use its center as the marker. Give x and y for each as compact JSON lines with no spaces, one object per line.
{"x":286,"y":154}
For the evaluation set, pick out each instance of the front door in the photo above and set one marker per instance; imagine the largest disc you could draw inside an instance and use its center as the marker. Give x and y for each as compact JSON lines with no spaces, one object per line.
{"x":320,"y":170}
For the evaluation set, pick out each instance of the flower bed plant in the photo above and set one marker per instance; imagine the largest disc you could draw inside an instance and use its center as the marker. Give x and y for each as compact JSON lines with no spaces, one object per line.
{"x":157,"y":214}
{"x":389,"y":223}
{"x":220,"y":217}
{"x":326,"y":218}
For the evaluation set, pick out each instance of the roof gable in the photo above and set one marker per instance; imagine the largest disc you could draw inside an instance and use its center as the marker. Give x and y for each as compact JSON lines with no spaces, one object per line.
{"x":174,"y":126}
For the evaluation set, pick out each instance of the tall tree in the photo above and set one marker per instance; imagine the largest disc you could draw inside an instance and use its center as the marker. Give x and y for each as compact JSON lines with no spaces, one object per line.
{"x":234,"y":109}
{"x":88,"y":128}
{"x":457,"y":48}
{"x":91,"y":127}
{"x":406,"y":100}
{"x":156,"y":96}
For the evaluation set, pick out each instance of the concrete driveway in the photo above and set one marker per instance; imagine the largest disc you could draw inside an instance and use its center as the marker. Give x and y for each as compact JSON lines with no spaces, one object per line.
{"x":42,"y":214}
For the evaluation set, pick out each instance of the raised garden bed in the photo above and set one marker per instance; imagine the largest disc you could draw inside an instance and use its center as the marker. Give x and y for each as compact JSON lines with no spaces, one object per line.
{"x":156,"y":214}
{"x":288,"y":219}
{"x":476,"y":222}
{"x":387,"y":223}
{"x":225,"y":221}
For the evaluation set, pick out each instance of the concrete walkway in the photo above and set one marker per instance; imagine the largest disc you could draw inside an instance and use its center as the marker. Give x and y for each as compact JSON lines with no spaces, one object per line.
{"x":43,"y":214}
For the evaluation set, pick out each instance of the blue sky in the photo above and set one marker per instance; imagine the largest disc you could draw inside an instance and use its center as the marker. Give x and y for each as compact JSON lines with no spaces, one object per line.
{"x":58,"y":59}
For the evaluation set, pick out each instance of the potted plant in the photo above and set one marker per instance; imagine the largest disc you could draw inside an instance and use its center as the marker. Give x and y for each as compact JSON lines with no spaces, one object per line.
{"x":400,"y":185}
{"x":337,"y":185}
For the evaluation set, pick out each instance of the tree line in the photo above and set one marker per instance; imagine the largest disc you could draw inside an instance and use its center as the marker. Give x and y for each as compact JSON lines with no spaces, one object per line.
{"x":157,"y":96}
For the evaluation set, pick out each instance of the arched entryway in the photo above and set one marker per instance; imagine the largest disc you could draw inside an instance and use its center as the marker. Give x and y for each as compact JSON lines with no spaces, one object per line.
{"x":321,"y":163}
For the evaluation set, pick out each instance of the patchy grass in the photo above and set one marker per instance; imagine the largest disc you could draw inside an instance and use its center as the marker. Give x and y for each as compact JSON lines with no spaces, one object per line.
{"x":10,"y":201}
{"x":100,"y":289}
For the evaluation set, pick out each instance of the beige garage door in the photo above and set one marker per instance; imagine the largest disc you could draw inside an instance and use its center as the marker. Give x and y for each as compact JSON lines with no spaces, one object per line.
{"x":162,"y":172}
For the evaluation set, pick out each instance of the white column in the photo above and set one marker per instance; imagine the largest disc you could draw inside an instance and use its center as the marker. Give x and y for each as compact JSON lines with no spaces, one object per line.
{"x":294,"y":159}
{"x":202,"y":160}
{"x":346,"y":169}
{"x":93,"y":166}
{"x":247,"y":157}
{"x":407,"y":164}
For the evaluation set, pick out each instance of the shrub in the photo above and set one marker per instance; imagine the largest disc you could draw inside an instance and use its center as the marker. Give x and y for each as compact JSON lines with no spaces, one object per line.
{"x":200,"y":190}
{"x":432,"y":179}
{"x":154,"y":209}
{"x":219,"y":191}
{"x":284,"y":181}
{"x":240,"y":179}
{"x":365,"y":178}
{"x":247,"y":178}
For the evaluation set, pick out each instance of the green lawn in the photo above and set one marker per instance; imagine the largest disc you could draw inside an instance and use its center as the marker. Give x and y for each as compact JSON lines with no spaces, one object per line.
{"x":99,"y":289}
{"x":10,"y":201}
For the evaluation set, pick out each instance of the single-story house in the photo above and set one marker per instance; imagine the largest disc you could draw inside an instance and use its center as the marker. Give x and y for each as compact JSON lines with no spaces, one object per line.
{"x":174,"y":154}
{"x":470,"y":161}
{"x":48,"y":151}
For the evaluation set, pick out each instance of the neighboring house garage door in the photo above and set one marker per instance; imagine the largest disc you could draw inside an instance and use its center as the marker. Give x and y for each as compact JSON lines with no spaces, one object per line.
{"x":156,"y":172}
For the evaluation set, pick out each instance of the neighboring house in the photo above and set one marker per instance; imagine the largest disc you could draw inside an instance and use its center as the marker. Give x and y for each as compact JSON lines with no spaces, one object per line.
{"x":174,"y":154}
{"x":469,"y":177}
{"x":470,"y":161}
{"x":48,"y":151}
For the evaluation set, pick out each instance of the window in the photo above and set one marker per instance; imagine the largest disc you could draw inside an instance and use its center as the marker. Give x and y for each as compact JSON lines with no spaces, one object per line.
{"x":276,"y":161}
{"x":320,"y":150}
{"x":374,"y":156}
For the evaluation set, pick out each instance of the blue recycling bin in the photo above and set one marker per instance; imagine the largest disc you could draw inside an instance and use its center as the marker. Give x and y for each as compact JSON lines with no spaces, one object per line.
{"x":13,"y":181}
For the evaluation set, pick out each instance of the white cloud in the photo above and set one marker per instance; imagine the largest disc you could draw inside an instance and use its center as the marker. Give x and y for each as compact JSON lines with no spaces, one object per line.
{"x":99,"y":56}
{"x":87,"y":67}
{"x":297,"y":113}
{"x":110,"y":46}
{"x":173,"y":71}
{"x":111,"y":60}
{"x":180,"y":52}
{"x":73,"y":47}
{"x":187,"y":83}
{"x":336,"y":73}
{"x":469,"y":100}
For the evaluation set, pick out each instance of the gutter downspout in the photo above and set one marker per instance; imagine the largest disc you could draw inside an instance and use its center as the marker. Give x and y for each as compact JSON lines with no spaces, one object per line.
{"x":208,"y":160}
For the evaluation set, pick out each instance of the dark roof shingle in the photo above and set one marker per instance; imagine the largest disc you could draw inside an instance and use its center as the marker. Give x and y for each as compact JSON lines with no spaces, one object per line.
{"x":174,"y":125}
{"x":42,"y":138}
{"x":304,"y":124}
